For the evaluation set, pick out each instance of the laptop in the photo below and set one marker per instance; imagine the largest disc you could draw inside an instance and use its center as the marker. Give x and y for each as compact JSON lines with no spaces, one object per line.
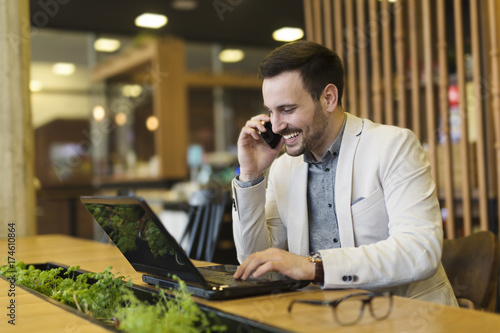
{"x":144,"y":241}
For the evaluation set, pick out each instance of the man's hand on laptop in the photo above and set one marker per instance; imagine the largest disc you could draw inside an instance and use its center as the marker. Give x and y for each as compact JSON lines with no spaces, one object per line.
{"x":276,"y":260}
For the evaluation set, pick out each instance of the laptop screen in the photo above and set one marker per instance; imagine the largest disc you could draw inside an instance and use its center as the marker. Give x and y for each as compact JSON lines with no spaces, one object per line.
{"x":141,"y":237}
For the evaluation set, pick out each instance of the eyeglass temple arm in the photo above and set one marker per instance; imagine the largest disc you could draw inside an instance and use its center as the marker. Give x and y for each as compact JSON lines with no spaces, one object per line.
{"x":307,"y":302}
{"x":335,"y":302}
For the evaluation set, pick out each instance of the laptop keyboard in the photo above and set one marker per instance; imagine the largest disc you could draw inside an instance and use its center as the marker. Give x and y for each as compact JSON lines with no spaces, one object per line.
{"x":220,"y":277}
{"x":217,"y":277}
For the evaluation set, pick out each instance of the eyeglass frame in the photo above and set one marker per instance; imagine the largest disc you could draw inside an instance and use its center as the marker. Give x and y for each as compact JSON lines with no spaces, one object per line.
{"x":335,"y":303}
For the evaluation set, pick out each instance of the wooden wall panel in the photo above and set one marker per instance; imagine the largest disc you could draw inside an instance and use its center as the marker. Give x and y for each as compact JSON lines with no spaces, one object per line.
{"x":401,"y":60}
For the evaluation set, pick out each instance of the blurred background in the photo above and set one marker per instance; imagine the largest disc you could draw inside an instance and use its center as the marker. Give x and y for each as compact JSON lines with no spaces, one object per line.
{"x":120,"y":108}
{"x":148,"y":97}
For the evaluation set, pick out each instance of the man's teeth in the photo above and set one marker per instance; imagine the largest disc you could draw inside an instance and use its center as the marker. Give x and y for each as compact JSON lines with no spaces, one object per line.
{"x":291,"y":135}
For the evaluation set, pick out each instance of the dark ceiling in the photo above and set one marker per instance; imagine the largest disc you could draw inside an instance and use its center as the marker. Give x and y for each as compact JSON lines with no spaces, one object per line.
{"x":239,"y":22}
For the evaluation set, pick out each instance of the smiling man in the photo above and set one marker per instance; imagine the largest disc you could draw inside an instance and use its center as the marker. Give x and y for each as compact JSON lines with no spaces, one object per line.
{"x":350,"y":205}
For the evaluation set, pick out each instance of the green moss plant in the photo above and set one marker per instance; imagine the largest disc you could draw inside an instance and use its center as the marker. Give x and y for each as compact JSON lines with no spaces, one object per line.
{"x":108,"y":297}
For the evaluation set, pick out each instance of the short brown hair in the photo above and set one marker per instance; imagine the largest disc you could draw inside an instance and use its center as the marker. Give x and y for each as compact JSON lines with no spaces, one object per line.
{"x":318,"y":66}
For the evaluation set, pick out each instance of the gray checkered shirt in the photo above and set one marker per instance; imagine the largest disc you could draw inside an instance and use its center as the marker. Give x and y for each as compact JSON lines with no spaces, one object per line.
{"x":323,"y":225}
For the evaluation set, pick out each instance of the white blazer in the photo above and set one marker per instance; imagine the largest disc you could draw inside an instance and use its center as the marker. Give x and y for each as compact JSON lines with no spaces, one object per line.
{"x":388,"y":214}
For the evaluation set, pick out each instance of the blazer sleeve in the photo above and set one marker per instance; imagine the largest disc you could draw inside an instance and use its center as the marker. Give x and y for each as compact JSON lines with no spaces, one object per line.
{"x":256,"y":222}
{"x":412,"y":250}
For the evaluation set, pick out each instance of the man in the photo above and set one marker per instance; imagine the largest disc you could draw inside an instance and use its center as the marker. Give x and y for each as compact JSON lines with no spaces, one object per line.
{"x":357,"y":194}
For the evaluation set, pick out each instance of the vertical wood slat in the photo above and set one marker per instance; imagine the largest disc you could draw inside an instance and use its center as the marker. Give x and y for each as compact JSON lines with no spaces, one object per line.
{"x":327,"y":23}
{"x":495,"y":87}
{"x":487,"y":99}
{"x":339,"y":29}
{"x":375,"y":60}
{"x":478,"y":105}
{"x":362,"y":59}
{"x":318,"y":35}
{"x":387,"y":59}
{"x":351,"y":65}
{"x":308,"y":19}
{"x":464,"y":141}
{"x":399,"y":36}
{"x":415,"y":70}
{"x":339,"y":35}
{"x":445,"y":116}
{"x":429,"y":88}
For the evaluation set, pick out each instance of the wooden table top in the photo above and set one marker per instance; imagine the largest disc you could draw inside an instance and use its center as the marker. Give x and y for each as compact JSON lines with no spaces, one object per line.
{"x":34,"y":314}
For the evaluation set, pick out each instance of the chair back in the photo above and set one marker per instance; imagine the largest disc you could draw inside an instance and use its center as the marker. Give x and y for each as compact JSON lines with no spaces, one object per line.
{"x":471,"y":264}
{"x":205,"y":216}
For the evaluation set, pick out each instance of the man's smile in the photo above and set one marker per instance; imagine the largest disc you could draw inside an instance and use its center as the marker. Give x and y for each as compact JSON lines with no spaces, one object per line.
{"x":291,"y":135}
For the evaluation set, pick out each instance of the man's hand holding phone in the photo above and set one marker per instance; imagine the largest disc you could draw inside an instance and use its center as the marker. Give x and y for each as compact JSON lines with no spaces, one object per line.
{"x":272,"y":139}
{"x":255,"y":155}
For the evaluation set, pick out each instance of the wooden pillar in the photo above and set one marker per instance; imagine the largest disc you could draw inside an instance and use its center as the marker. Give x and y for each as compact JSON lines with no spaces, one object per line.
{"x":17,"y":194}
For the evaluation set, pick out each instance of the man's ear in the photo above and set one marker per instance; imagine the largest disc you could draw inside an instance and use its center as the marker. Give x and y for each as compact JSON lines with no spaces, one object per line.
{"x":330,"y":95}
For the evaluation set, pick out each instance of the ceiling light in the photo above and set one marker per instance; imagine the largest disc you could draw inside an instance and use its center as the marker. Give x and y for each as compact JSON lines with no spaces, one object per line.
{"x":35,"y":86}
{"x":120,"y":118}
{"x":106,"y":45}
{"x":150,"y":20}
{"x":152,"y":123}
{"x":184,"y":4}
{"x":231,"y":55}
{"x":131,"y":90}
{"x":63,"y":68}
{"x":288,"y":34}
{"x":98,"y":113}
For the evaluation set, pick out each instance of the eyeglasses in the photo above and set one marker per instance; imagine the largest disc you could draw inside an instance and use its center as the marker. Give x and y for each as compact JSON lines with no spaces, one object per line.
{"x":349,"y":309}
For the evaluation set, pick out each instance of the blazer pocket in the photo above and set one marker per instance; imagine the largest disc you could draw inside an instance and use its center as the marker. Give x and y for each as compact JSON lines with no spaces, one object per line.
{"x":360,"y":206}
{"x":370,"y":219}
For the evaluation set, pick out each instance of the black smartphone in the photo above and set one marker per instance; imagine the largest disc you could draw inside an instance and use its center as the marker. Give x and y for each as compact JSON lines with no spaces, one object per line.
{"x":272,"y":139}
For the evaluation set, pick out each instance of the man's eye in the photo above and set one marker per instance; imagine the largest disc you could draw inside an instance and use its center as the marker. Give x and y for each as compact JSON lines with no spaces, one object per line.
{"x":289,"y":110}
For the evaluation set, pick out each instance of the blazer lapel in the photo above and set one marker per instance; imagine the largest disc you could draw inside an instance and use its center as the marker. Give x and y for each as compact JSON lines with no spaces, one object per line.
{"x":343,"y":179}
{"x":298,"y":228}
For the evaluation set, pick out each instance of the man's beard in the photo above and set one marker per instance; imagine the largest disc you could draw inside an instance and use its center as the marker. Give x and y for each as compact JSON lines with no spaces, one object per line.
{"x":312,"y":134}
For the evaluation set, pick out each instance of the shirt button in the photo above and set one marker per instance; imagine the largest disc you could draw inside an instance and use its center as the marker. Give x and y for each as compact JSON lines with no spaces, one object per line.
{"x":327,"y":170}
{"x":330,"y":205}
{"x":335,"y":240}
{"x":335,"y":153}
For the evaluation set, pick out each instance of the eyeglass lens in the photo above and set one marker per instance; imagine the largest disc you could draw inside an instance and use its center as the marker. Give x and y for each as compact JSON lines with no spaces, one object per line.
{"x":380,"y":307}
{"x":350,"y":310}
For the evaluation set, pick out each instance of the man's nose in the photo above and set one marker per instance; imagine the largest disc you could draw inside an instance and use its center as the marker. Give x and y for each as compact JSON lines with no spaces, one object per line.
{"x":278,"y":124}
